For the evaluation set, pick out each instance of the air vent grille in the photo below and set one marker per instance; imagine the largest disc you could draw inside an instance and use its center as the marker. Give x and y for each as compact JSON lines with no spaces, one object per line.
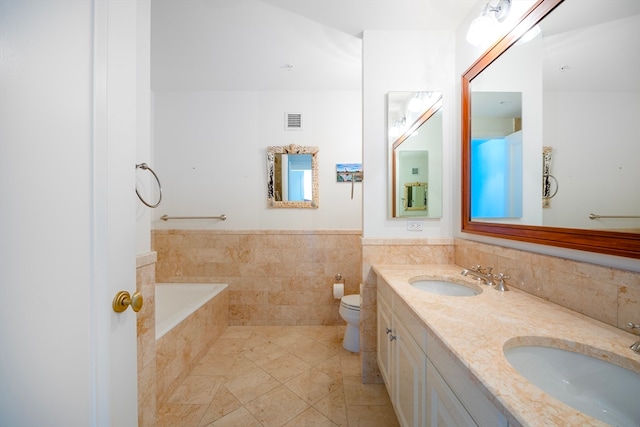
{"x":293,"y":121}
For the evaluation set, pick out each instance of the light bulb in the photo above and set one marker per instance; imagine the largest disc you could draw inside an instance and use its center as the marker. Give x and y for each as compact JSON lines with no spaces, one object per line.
{"x":480,"y":30}
{"x":415,"y":105}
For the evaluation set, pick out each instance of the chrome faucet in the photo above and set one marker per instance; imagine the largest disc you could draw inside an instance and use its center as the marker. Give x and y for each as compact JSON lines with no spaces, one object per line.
{"x":635,"y":346}
{"x":479,"y":274}
{"x":501,"y":286}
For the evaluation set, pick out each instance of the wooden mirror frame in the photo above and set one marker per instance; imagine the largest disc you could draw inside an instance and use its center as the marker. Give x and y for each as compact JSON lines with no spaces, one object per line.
{"x":605,"y":242}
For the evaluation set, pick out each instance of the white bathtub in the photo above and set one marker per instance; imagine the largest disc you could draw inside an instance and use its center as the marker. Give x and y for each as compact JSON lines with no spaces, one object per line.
{"x":176,"y":301}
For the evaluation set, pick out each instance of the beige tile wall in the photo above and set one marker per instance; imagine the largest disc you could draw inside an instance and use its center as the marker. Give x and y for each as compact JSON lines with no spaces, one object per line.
{"x":607,"y":294}
{"x":146,"y":332}
{"x":285,"y":277}
{"x":398,"y":252}
{"x":274,"y":277}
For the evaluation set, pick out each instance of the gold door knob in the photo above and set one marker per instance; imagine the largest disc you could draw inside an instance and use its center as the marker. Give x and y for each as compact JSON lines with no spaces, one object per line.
{"x":122,"y":300}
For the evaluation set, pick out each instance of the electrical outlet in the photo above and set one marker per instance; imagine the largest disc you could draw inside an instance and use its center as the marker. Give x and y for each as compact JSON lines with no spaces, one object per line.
{"x":414,"y":225}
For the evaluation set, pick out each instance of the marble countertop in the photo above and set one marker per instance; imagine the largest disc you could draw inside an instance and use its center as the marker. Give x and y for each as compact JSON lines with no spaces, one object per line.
{"x":476,"y":330}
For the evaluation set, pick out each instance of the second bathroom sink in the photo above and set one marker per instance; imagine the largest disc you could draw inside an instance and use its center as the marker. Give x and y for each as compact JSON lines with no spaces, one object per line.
{"x":593,"y":386}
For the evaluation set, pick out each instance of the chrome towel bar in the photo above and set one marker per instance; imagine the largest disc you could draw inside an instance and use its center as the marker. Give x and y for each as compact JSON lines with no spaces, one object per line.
{"x":222,"y":217}
{"x":594,"y":216}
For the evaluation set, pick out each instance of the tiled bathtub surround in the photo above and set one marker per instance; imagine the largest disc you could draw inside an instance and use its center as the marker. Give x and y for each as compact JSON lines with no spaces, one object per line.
{"x":274,"y":277}
{"x":396,"y":252}
{"x":606,"y":294}
{"x":146,"y":331}
{"x":178,"y":351}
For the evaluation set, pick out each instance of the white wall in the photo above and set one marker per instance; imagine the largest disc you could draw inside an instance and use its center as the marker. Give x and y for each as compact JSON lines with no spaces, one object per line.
{"x":403,"y":61}
{"x":210,"y":154}
{"x":583,"y":157}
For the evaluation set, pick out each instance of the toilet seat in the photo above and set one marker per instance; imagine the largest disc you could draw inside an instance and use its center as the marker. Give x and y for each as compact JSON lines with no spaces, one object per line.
{"x":351,"y":302}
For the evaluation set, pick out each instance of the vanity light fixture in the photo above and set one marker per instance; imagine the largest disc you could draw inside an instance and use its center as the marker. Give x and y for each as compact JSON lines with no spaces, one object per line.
{"x":483,"y":28}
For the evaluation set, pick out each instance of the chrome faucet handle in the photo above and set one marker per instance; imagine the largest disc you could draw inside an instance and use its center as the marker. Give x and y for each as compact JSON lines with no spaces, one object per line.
{"x":636,"y":345}
{"x":477,"y":268}
{"x":501,"y":286}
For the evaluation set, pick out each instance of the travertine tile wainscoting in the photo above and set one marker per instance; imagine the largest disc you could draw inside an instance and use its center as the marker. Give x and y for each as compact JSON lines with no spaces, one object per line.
{"x":274,"y":277}
{"x":146,"y":332}
{"x":606,"y":294}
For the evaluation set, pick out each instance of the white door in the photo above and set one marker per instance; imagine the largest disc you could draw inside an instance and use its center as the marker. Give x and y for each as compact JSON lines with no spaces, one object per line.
{"x":67,"y":212}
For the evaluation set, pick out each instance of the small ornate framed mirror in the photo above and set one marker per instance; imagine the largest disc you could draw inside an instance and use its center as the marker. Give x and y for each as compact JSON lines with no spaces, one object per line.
{"x":292,"y":176}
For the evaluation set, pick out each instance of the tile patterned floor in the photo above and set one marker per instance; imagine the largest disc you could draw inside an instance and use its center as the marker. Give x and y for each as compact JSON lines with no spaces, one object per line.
{"x":268,"y":376}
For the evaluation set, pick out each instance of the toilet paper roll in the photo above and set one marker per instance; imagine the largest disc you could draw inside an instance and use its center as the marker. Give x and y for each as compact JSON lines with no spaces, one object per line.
{"x":338,"y":290}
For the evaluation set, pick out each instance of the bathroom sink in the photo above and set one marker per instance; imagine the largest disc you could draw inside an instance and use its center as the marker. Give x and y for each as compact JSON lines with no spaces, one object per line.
{"x":593,"y":386}
{"x":442,"y":287}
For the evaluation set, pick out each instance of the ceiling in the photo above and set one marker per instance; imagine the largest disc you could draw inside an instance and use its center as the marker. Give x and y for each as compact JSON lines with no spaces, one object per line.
{"x":354,"y":16}
{"x":278,"y":45}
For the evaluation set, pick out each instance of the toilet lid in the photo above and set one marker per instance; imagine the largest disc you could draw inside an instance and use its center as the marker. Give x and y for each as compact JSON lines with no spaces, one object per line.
{"x":351,"y":300}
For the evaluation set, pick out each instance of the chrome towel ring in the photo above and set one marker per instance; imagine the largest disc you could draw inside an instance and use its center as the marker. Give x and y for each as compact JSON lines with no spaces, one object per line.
{"x":144,"y":166}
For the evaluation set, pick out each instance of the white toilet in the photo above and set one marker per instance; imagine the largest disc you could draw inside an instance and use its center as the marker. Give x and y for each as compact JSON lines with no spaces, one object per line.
{"x":350,"y":312}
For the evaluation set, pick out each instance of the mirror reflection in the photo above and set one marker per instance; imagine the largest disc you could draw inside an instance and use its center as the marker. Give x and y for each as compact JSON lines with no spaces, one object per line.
{"x":292,"y":180}
{"x":496,"y":155}
{"x":579,"y":81}
{"x":415,"y":196}
{"x":415,"y":141}
{"x":571,"y":99}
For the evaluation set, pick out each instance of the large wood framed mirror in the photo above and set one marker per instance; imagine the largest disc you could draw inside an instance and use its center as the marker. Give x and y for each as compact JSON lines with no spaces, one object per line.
{"x":292,"y":176}
{"x":573,"y":95}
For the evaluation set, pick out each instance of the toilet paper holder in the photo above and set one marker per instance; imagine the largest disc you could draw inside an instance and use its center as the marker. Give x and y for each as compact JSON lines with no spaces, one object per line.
{"x":338,"y":286}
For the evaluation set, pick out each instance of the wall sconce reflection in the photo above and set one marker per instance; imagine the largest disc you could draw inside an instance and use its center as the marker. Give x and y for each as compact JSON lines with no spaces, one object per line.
{"x":484,"y":28}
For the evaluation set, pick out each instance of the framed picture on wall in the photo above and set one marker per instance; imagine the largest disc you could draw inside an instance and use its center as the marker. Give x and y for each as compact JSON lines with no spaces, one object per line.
{"x":349,"y":172}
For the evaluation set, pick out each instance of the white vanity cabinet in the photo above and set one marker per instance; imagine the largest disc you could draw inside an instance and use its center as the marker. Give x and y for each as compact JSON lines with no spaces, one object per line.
{"x":403,"y":366}
{"x":427,"y":386}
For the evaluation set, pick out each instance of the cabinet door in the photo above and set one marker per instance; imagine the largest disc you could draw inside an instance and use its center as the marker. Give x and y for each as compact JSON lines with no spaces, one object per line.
{"x":445,"y":410}
{"x":409,"y":379}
